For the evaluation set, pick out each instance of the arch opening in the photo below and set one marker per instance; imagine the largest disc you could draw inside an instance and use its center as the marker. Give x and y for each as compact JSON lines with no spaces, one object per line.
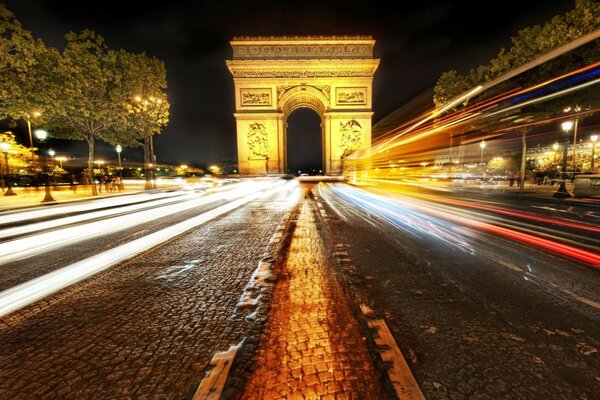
{"x":304,"y":142}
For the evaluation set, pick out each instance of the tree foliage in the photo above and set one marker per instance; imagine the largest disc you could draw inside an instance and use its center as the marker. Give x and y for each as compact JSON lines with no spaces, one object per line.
{"x":528,"y":44}
{"x":144,"y":84}
{"x":20,"y":58}
{"x":84,"y":92}
{"x":20,"y":155}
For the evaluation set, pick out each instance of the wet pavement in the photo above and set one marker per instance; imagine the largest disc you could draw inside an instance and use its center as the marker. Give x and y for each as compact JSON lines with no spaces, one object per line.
{"x":312,"y":347}
{"x":476,"y":315}
{"x":147,"y":328}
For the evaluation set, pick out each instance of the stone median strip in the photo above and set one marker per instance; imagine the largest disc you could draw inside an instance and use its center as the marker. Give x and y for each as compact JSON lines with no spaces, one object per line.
{"x":213,"y":384}
{"x":312,"y":346}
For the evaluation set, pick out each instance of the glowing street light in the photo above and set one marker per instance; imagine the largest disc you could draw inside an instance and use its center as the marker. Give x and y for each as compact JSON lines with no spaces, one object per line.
{"x":119,"y":149}
{"x":594,"y":139}
{"x":42,"y":135}
{"x":52,"y":153}
{"x":555,"y":148}
{"x":482,"y":145}
{"x":5,"y":147}
{"x":34,"y":114}
{"x":562,"y":192}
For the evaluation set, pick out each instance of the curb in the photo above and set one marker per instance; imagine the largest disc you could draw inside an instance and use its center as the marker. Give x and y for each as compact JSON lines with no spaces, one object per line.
{"x":229,"y":370}
{"x":394,"y":371}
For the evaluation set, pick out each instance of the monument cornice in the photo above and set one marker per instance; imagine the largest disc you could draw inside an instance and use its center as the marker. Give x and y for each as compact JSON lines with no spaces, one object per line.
{"x":302,"y":47}
{"x":302,"y":68}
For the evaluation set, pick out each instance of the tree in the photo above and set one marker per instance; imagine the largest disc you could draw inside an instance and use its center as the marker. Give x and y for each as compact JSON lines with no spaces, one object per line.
{"x":83,"y":95}
{"x":19,"y":154}
{"x":528,"y":44}
{"x":19,"y":52}
{"x":144,"y":85}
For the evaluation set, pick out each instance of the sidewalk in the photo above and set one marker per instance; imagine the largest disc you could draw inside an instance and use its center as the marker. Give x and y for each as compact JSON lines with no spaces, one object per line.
{"x":530,"y":190}
{"x":312,"y":346}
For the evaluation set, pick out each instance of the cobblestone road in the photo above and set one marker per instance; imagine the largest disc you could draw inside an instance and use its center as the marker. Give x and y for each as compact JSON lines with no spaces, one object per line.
{"x":145,"y":329}
{"x":313,"y":347}
{"x":470,"y":326}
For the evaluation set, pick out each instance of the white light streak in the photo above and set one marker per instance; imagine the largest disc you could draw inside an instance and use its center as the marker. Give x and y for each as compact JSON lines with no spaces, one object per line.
{"x":28,"y":292}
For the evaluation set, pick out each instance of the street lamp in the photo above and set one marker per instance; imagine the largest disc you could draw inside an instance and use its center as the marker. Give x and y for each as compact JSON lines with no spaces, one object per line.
{"x":42,"y":135}
{"x":52,"y":153}
{"x":28,"y":119}
{"x":482,"y":145}
{"x":5,"y":147}
{"x":594,"y":139}
{"x":562,"y":192}
{"x":119,"y":150}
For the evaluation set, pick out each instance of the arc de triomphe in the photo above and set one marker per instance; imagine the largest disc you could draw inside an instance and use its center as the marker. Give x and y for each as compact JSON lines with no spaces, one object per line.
{"x":274,"y":76}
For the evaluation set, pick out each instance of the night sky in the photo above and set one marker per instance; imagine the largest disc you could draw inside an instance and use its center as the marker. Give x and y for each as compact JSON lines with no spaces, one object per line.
{"x":415,"y":43}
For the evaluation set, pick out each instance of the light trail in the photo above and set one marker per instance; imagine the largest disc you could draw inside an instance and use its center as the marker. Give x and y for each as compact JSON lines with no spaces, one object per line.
{"x":55,"y":223}
{"x":49,"y":211}
{"x":402,"y":212}
{"x":38,"y":288}
{"x":483,"y":207}
{"x":25,"y":247}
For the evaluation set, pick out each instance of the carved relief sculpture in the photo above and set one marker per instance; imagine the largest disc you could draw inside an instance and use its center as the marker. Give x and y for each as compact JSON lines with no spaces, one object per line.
{"x":255,"y":97}
{"x":351,"y":137}
{"x":257,"y":141}
{"x":351,"y":95}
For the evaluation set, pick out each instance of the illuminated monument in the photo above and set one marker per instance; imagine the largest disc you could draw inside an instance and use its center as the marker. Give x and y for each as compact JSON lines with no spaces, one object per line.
{"x":274,"y":76}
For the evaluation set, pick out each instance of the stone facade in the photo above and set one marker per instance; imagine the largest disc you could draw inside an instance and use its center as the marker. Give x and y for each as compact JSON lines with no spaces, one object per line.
{"x":275,"y":76}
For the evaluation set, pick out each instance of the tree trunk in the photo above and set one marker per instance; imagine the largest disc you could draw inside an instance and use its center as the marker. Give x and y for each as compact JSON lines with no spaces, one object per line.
{"x":147,"y":162}
{"x":523,"y":160}
{"x":90,"y":141}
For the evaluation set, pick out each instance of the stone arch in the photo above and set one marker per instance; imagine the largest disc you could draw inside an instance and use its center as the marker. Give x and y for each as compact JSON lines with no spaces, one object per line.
{"x":303,"y":97}
{"x":274,"y":76}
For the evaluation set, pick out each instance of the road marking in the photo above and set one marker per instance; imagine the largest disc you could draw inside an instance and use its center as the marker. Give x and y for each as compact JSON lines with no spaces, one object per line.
{"x":212,"y":385}
{"x":400,"y":375}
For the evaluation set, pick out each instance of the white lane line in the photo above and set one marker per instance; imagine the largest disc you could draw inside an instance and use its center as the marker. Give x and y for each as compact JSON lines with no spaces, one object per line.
{"x":400,"y":375}
{"x":36,"y":289}
{"x":212,"y":385}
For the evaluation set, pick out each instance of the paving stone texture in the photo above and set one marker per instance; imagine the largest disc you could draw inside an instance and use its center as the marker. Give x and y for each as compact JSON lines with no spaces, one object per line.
{"x":312,"y":348}
{"x":146,"y":329}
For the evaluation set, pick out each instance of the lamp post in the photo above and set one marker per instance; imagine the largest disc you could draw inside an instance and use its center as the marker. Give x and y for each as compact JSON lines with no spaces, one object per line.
{"x":594,"y":139}
{"x":5,"y":147}
{"x":119,"y":150}
{"x":562,"y":192}
{"x":52,"y":153}
{"x":41,"y":135}
{"x":555,"y":148}
{"x":482,"y":145}
{"x":34,"y":114}
{"x":574,"y":126}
